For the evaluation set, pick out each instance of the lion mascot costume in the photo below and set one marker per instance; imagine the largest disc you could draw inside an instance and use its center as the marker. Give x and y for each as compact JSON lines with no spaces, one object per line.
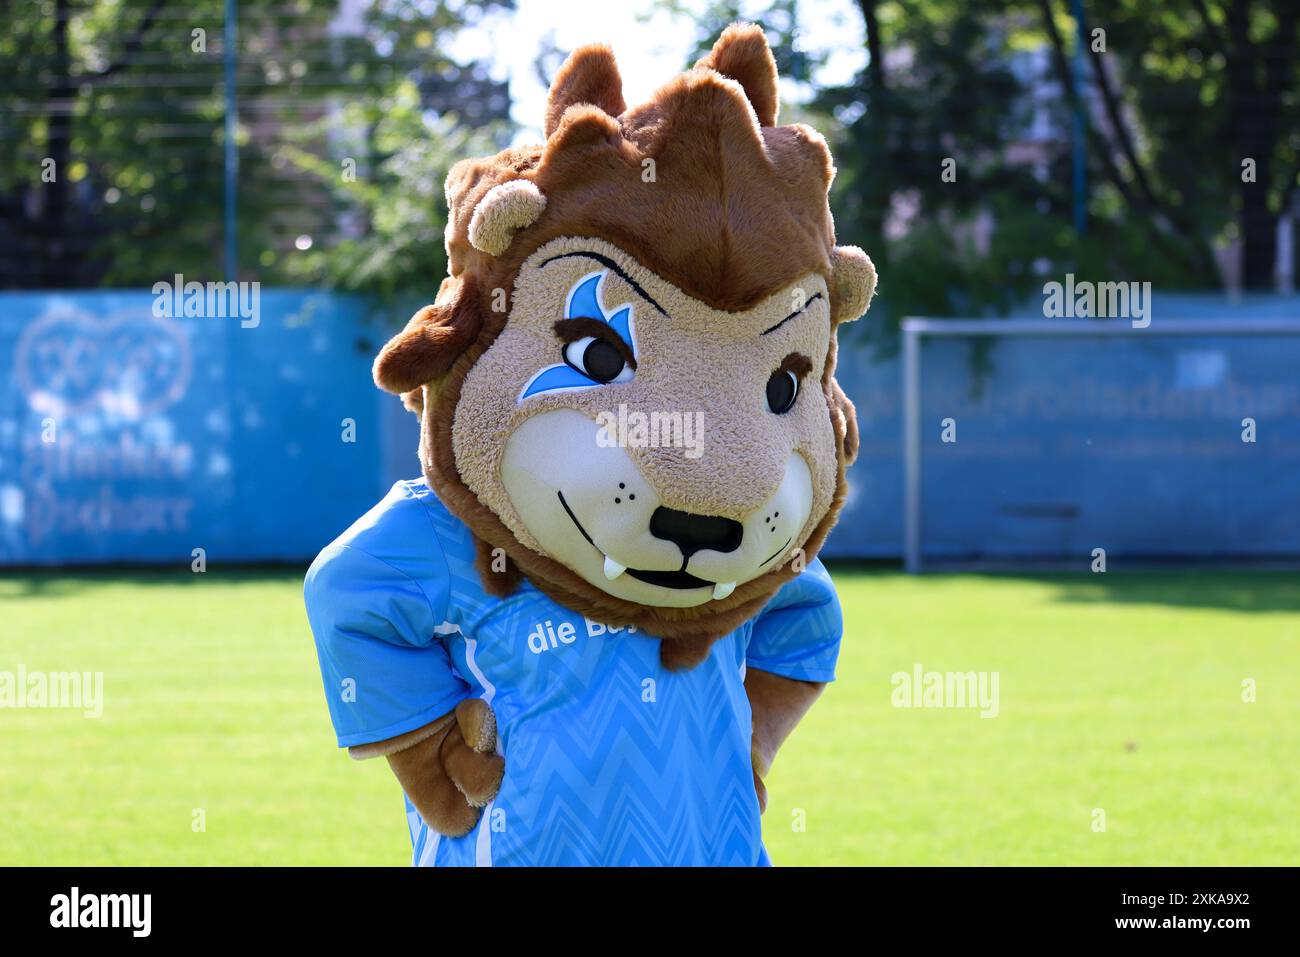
{"x":583,"y":634}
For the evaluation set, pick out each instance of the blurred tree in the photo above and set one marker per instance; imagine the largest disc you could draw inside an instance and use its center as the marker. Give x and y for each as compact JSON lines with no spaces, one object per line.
{"x":939,"y":86}
{"x":945,"y":176}
{"x":953,"y":141}
{"x":779,"y":20}
{"x":1179,"y":95}
{"x":112,"y":116}
{"x":400,"y":250}
{"x":1190,"y":91}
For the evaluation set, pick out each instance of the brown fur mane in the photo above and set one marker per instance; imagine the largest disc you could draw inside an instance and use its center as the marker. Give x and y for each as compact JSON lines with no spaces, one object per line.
{"x":698,"y":184}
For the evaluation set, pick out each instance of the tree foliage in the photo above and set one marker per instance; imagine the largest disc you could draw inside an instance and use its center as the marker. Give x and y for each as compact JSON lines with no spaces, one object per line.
{"x":123,"y":100}
{"x":1176,"y":96}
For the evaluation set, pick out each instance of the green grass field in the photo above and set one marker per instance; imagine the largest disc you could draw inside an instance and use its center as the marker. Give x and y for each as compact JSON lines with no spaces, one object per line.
{"x":1117,"y":692}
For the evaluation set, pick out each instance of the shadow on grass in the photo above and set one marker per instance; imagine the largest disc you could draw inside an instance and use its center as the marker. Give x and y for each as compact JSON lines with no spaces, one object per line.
{"x":59,"y":582}
{"x":1243,"y":591}
{"x":1238,"y":589}
{"x":1234,"y":590}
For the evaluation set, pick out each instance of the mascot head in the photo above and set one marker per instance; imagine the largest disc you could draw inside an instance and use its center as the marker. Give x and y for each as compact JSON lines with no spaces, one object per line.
{"x":626,"y":384}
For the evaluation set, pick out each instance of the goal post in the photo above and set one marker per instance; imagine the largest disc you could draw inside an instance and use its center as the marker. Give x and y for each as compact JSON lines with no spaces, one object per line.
{"x":916,"y":329}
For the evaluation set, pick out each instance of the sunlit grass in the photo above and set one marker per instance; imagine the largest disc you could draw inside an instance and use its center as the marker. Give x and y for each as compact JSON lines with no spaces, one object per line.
{"x":1118,"y":695}
{"x":1122,"y":694}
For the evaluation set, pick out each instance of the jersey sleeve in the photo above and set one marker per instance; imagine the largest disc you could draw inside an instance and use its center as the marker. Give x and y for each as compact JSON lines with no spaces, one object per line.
{"x":797,"y":635}
{"x":384,"y":667}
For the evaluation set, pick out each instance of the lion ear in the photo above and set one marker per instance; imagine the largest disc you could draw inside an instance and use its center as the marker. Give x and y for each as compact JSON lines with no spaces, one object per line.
{"x":742,"y":54}
{"x":853,"y":282}
{"x":504,"y":210}
{"x":589,"y":75}
{"x":433,"y":339}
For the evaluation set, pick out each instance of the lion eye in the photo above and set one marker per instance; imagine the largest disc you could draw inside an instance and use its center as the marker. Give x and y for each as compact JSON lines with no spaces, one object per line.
{"x":597,"y":359}
{"x":782,"y":390}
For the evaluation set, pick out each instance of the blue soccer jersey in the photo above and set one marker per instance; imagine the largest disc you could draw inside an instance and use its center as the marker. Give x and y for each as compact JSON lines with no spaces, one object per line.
{"x":609,"y":757}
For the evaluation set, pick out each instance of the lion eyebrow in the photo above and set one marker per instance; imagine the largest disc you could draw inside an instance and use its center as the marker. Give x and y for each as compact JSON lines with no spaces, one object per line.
{"x":811,"y":299}
{"x":610,"y":264}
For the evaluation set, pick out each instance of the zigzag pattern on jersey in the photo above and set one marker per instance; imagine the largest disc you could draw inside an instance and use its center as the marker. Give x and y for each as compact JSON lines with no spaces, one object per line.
{"x":467,"y":597}
{"x":633,"y":756}
{"x":616,"y":771}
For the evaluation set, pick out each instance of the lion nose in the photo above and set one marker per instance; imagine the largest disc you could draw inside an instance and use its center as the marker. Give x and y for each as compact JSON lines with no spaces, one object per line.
{"x":692,"y":533}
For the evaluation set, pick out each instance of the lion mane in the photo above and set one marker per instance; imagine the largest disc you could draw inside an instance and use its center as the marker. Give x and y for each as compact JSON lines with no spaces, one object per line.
{"x":738,"y":208}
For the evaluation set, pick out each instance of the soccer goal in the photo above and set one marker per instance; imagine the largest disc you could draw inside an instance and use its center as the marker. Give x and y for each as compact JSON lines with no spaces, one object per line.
{"x":1030,"y":441}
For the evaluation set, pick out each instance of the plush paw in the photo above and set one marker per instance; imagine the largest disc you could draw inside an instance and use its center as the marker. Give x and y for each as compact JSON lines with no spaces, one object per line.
{"x":776,"y":703}
{"x":469,"y":752}
{"x":450,"y":774}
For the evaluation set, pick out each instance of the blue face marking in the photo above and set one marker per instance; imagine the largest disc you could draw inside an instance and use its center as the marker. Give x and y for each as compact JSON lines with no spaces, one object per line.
{"x":583,"y":301}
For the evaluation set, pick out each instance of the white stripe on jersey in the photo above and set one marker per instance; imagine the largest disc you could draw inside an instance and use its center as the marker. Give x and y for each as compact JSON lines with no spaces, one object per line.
{"x":430,"y":856}
{"x":482,"y":840}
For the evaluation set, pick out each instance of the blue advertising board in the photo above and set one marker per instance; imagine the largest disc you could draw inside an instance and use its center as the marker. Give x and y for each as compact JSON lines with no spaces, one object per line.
{"x":136,"y":437}
{"x":128,"y":436}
